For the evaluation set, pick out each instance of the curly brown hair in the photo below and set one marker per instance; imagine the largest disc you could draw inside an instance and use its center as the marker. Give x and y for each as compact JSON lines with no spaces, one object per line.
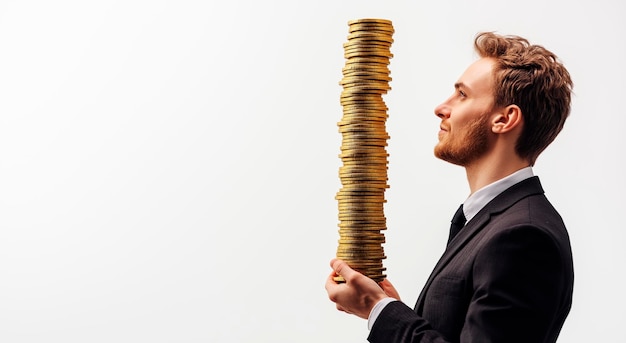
{"x":534,"y":79}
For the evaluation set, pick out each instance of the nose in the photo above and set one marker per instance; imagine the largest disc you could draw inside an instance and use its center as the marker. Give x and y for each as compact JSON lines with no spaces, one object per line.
{"x":442,"y":111}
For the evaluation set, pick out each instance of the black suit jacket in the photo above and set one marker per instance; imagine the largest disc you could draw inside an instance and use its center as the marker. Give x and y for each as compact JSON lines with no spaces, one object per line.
{"x":506,"y":277}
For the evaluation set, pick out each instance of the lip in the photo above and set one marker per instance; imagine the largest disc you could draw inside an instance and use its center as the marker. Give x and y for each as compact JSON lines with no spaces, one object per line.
{"x":442,"y":130}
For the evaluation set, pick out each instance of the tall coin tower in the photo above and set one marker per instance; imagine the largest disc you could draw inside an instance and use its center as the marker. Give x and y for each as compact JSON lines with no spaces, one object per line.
{"x":363,"y":174}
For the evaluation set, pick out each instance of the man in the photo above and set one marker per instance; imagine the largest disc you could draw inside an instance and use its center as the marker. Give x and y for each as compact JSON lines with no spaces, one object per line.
{"x":507,"y":275}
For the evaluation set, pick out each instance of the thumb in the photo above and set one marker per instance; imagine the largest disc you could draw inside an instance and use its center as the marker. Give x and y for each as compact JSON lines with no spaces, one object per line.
{"x":342,"y":268}
{"x":389,"y":289}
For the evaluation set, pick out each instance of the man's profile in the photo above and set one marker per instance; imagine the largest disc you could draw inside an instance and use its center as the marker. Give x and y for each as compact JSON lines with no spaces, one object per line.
{"x":506,"y":274}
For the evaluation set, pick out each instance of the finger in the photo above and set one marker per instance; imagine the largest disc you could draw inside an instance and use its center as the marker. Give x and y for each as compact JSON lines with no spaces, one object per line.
{"x":389,"y":289}
{"x":342,"y":268}
{"x":330,"y":282}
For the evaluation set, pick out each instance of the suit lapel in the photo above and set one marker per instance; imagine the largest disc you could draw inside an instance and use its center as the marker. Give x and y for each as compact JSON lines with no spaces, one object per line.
{"x":500,"y":203}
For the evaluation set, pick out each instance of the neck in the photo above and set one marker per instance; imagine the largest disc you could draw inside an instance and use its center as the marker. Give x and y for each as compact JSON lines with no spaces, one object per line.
{"x":491,"y":168}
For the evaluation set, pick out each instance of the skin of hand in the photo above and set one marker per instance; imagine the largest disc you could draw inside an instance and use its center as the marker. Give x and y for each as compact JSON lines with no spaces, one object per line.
{"x":358,"y":294}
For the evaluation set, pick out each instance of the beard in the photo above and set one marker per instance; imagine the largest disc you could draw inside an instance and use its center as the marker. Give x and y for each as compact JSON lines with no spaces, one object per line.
{"x":463,"y":148}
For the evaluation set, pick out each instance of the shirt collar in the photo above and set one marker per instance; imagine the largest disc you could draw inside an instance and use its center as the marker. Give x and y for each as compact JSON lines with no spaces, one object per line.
{"x":475,"y":202}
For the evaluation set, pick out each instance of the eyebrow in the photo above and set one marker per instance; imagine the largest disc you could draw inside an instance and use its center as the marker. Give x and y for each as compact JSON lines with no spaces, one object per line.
{"x":459,"y":85}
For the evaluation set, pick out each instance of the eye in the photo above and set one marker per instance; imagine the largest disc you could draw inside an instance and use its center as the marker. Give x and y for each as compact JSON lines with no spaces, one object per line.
{"x":462,"y":93}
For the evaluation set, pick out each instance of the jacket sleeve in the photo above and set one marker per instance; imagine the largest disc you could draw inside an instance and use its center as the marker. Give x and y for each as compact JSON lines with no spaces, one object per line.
{"x":517,"y":280}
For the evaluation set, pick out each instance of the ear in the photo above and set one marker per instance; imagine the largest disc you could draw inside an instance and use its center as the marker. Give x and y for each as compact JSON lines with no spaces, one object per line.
{"x":507,"y":120}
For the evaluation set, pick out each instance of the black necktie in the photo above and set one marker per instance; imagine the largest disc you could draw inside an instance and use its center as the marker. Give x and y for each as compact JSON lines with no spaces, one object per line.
{"x":457,"y":223}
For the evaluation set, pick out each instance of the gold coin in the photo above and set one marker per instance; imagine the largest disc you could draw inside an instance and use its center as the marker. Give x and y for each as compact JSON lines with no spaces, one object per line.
{"x":361,"y":95}
{"x":362,"y":238}
{"x":377,"y":50}
{"x":374,"y":68}
{"x":361,"y":118}
{"x":350,"y":145}
{"x":379,"y":141}
{"x":379,"y":168}
{"x":361,"y":131}
{"x":368,"y":59}
{"x":383,"y":30}
{"x":366,"y":163}
{"x":364,"y":110}
{"x":364,"y":260}
{"x":375,"y":206}
{"x":355,"y":81}
{"x":364,"y":37}
{"x":364,"y":115}
{"x":354,"y":53}
{"x":360,"y":244}
{"x":365,"y":124}
{"x":362,"y":187}
{"x":369,"y":36}
{"x":382,"y":27}
{"x":362,"y":177}
{"x":361,"y":247}
{"x":355,"y":207}
{"x":351,"y":134}
{"x":370,"y":20}
{"x":367,"y":75}
{"x":364,"y":168}
{"x":362,"y":225}
{"x":362,"y":135}
{"x":373,"y":255}
{"x":352,"y":215}
{"x":362,"y":195}
{"x":348,"y":216}
{"x":363,"y":221}
{"x":364,"y":91}
{"x":365,"y":106}
{"x":367,"y":263}
{"x":356,"y":197}
{"x":371,"y":107}
{"x":358,"y":132}
{"x":351,"y":182}
{"x":379,"y":185}
{"x":377,"y":227}
{"x":372,"y":158}
{"x":350,"y":95}
{"x":371,"y":130}
{"x":347,"y":256}
{"x":377,"y":157}
{"x":362,"y":191}
{"x":371,"y":44}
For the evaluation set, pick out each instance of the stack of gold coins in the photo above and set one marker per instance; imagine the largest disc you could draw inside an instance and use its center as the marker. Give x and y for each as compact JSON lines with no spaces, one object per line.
{"x":363,"y":174}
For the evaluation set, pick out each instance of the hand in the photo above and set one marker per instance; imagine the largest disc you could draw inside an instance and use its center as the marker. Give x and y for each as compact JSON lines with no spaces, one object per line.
{"x":359,"y":293}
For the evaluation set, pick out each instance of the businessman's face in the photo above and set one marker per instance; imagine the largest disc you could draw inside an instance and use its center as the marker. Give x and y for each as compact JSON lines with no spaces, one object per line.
{"x":464,"y":134}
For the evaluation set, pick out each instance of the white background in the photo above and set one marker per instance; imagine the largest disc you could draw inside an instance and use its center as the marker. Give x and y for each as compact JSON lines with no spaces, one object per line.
{"x":168,"y":168}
